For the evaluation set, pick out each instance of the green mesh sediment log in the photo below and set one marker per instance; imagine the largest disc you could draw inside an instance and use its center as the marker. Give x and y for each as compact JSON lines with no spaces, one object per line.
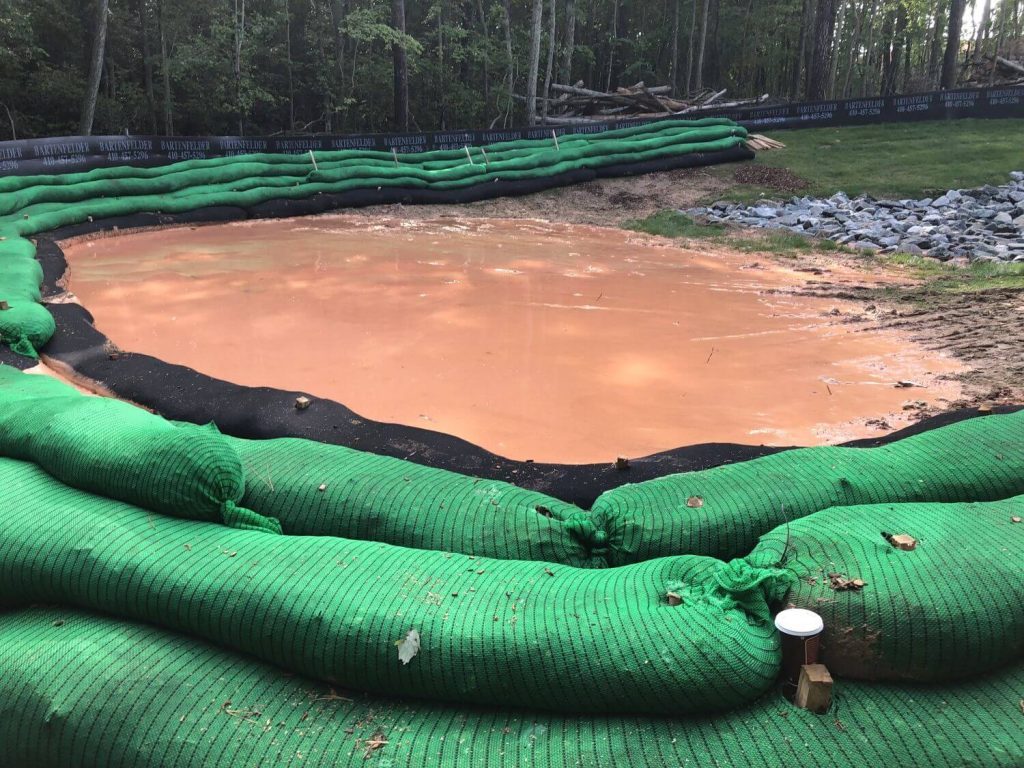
{"x":722,"y":511}
{"x":950,"y":608}
{"x":329,"y":490}
{"x":501,"y":632}
{"x":121,"y":451}
{"x":89,"y":691}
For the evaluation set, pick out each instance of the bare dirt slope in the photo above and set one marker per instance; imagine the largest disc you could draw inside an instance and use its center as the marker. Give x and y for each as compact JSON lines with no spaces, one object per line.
{"x":604,"y":202}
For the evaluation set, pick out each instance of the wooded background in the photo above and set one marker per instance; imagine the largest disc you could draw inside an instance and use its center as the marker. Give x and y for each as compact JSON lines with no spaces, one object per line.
{"x":247,"y":67}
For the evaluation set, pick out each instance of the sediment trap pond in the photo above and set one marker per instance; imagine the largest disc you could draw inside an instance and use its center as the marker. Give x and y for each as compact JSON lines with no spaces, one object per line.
{"x":534,"y":340}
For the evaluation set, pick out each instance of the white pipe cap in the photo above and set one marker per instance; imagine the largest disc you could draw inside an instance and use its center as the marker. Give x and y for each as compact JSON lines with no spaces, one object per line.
{"x":799,"y":622}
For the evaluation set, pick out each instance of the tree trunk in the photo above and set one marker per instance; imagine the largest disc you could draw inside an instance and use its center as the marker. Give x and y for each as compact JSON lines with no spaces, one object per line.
{"x":531,"y":80}
{"x":486,"y":56}
{"x":288,"y":55}
{"x":952,"y":55}
{"x":401,"y":67}
{"x":935,"y":49}
{"x":165,"y":72}
{"x":690,"y":48}
{"x":239,"y":41}
{"x":506,"y":18}
{"x":674,"y":70}
{"x":982,"y":34}
{"x":894,"y":54}
{"x":92,"y":89}
{"x":570,"y":41}
{"x":551,"y":59}
{"x":701,"y":46}
{"x":147,"y":66}
{"x":856,"y":42}
{"x":613,"y":39}
{"x":339,"y":12}
{"x":821,"y":62}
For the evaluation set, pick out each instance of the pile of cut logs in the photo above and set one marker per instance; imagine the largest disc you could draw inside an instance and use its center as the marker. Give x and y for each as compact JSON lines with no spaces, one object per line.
{"x":994,"y":70}
{"x":575,"y":104}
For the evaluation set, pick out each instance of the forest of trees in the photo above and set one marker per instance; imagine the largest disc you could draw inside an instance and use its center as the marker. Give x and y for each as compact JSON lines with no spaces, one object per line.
{"x":304,"y":66}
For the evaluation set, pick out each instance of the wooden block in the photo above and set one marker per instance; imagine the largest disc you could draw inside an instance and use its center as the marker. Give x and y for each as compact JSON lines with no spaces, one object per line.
{"x":4,"y":305}
{"x":302,"y":402}
{"x":674,"y":598}
{"x":814,"y":690}
{"x":903,"y":541}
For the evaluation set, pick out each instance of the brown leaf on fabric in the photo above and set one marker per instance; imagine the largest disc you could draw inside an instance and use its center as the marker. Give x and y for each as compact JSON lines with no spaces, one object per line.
{"x":374,"y":743}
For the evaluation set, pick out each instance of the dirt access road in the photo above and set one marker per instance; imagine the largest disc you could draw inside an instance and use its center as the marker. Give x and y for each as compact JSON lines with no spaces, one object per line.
{"x":982,"y":327}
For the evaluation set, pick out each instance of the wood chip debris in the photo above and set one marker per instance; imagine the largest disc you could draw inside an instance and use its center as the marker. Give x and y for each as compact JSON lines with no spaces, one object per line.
{"x":373,"y":743}
{"x":695,"y":502}
{"x":841,"y":583}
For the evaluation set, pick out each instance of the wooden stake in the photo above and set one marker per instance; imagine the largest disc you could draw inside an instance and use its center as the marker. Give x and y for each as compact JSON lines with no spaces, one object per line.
{"x":466,"y":147}
{"x":555,"y":137}
{"x":814,"y":691}
{"x":487,"y":163}
{"x":314,"y":160}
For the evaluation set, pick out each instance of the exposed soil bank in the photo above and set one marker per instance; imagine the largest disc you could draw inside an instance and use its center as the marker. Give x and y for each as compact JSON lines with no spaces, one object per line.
{"x":535,"y":340}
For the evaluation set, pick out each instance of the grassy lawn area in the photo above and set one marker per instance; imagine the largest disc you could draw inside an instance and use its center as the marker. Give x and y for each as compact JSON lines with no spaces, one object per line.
{"x":891,"y":160}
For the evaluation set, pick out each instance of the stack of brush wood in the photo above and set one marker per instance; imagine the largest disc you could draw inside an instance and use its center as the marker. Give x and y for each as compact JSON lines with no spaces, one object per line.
{"x":574,"y":104}
{"x":988,"y":70}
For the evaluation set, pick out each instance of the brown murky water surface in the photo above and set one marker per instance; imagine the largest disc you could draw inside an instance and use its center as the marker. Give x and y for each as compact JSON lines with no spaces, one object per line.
{"x":537,"y":340}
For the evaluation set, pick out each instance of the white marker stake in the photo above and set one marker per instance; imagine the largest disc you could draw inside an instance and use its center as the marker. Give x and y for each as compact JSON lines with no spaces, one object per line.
{"x":466,"y":147}
{"x":313,"y":159}
{"x":555,"y":137}
{"x":394,"y":153}
{"x":487,"y":163}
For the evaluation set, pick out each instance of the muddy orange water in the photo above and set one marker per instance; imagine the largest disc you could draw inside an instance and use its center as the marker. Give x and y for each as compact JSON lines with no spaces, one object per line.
{"x":535,"y":340}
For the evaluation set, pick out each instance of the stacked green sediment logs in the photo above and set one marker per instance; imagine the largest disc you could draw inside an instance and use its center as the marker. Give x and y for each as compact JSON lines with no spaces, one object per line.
{"x":498,"y":632}
{"x":503,"y":632}
{"x":93,"y":692}
{"x":36,"y":204}
{"x":722,"y":511}
{"x":319,"y":489}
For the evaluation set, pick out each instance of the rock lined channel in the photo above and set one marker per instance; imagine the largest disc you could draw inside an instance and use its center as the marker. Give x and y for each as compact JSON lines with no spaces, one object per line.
{"x":982,"y":224}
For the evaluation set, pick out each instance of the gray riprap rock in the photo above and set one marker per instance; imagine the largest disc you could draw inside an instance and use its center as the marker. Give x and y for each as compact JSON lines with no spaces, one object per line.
{"x":986,"y":223}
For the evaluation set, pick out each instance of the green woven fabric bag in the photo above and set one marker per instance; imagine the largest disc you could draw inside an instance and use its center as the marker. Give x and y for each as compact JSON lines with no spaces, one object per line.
{"x":503,"y":632}
{"x":88,"y":691}
{"x":952,"y":607}
{"x":722,"y":511}
{"x":329,"y":490}
{"x":115,"y":449}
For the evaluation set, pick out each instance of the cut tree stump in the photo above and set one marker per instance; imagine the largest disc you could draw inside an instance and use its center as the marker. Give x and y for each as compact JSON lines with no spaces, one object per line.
{"x":814,"y":690}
